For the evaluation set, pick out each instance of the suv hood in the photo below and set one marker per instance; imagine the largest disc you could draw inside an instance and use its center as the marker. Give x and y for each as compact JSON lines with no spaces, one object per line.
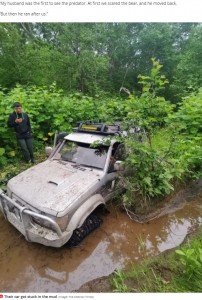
{"x":52,"y":186}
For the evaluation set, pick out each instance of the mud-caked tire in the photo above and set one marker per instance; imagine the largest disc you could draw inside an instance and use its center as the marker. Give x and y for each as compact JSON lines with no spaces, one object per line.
{"x":90,"y":224}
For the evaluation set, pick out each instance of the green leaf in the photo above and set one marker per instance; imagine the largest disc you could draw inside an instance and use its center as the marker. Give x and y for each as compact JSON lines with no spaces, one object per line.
{"x":180,"y":252}
{"x":12,"y":153}
{"x":2,"y":151}
{"x":51,"y":133}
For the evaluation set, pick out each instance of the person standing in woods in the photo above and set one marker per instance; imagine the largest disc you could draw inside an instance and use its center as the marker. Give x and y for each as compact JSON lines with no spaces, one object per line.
{"x":21,"y":123}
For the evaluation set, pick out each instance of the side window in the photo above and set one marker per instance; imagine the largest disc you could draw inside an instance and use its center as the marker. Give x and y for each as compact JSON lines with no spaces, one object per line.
{"x":118,"y":153}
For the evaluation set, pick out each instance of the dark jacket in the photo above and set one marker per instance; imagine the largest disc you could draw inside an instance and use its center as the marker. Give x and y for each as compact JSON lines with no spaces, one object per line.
{"x":23,"y":130}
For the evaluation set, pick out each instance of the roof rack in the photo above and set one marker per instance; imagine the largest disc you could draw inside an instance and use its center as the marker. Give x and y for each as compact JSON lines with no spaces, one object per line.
{"x":99,"y":128}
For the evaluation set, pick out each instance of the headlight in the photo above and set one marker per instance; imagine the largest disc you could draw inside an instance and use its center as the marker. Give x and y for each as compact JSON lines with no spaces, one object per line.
{"x":62,"y":222}
{"x":42,"y":223}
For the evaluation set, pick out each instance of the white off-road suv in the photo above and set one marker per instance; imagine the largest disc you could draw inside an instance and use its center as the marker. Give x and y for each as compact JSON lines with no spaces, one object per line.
{"x":48,"y":202}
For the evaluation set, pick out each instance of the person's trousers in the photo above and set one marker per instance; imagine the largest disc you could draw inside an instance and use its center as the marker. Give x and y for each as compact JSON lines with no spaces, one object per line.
{"x":26,"y":146}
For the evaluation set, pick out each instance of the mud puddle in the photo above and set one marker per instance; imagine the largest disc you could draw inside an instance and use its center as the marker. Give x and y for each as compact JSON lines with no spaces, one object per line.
{"x":27,"y":267}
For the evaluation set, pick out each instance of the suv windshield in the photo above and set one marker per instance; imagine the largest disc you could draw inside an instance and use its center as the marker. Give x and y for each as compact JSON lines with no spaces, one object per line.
{"x":83,"y":154}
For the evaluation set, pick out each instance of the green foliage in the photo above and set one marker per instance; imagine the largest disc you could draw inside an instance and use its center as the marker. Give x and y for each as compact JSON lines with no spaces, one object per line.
{"x":188,"y":119}
{"x":118,"y":282}
{"x":149,"y":110}
{"x":166,"y":155}
{"x":155,"y":82}
{"x":186,"y":124}
{"x":190,"y":258}
{"x":188,"y":72}
{"x":154,"y":171}
{"x":151,"y":175}
{"x":192,"y":261}
{"x":2,"y":157}
{"x":51,"y":110}
{"x":89,"y":57}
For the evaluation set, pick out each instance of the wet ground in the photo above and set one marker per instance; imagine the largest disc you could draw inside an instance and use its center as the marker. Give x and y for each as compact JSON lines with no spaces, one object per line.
{"x":27,"y":267}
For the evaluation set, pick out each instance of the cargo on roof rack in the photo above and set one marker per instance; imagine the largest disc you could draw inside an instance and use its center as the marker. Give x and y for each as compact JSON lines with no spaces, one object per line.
{"x":99,"y":128}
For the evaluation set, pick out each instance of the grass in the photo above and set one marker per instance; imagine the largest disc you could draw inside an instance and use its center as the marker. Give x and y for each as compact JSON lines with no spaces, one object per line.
{"x":174,"y":271}
{"x":118,"y":282}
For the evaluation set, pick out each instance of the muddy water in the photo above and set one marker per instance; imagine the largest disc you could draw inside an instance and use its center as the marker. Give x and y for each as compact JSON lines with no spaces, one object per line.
{"x":119,"y":241}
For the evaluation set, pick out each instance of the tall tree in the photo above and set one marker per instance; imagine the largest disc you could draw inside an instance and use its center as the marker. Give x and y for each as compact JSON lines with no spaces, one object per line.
{"x":188,"y":75}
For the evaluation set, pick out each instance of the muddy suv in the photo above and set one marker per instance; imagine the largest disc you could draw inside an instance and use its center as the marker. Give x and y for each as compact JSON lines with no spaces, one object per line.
{"x":48,"y":202}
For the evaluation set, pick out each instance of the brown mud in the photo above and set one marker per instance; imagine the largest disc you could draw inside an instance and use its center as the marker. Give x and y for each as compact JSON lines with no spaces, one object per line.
{"x":119,"y":242}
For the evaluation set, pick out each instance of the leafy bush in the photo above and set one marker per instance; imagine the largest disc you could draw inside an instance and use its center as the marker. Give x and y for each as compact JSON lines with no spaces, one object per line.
{"x":186,"y":124}
{"x":192,"y":261}
{"x":51,"y":110}
{"x":149,"y":110}
{"x":190,"y":258}
{"x":151,"y":173}
{"x":167,"y":155}
{"x":188,"y":119}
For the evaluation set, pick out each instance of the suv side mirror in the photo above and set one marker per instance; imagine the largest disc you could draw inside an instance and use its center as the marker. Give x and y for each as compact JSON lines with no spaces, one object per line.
{"x":118,"y":165}
{"x":48,"y":151}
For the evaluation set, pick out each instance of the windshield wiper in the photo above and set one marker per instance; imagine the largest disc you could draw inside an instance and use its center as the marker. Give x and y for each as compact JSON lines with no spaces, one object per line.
{"x":89,"y":166}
